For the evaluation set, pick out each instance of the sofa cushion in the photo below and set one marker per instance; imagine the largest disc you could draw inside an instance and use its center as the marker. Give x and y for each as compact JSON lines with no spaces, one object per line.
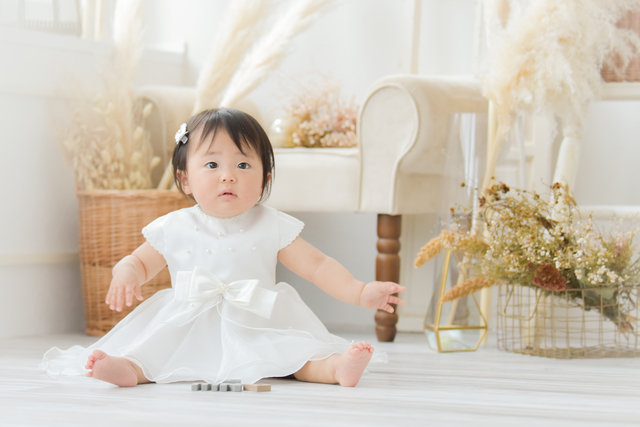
{"x":316,"y":180}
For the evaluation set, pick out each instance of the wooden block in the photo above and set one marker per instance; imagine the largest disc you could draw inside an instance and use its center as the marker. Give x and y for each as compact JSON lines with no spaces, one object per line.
{"x":257,"y":387}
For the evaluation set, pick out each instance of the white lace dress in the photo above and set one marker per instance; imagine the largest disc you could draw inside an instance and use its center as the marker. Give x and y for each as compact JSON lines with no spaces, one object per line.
{"x":225,"y":316}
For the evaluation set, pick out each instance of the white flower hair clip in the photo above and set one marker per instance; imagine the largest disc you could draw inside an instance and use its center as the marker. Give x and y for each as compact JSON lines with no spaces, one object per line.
{"x":181,"y":135}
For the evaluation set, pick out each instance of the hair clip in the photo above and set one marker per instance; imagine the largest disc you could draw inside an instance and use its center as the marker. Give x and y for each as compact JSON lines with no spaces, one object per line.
{"x":181,"y":135}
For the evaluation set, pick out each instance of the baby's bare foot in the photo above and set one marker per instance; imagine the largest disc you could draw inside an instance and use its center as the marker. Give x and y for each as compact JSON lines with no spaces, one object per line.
{"x":114,"y":370}
{"x":351,"y":364}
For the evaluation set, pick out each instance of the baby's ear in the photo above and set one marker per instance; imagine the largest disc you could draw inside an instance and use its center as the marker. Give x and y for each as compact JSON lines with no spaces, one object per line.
{"x":268,"y":177}
{"x":184,"y":182}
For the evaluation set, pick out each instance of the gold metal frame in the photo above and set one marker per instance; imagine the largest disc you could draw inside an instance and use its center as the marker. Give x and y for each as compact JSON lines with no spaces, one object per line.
{"x":436,"y":327}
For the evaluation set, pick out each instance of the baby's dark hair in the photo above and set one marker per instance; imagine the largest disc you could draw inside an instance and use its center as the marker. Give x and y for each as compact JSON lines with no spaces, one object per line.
{"x":244,"y":130}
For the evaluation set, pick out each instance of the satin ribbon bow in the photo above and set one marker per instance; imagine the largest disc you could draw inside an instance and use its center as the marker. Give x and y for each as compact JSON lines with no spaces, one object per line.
{"x":201,"y":285}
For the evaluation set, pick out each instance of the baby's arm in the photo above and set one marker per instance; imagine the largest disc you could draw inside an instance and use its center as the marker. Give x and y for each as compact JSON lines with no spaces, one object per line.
{"x":329,"y":275}
{"x":132,"y":272}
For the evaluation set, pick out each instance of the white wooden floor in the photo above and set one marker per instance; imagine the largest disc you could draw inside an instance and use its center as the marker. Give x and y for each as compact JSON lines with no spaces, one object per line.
{"x":417,"y":388}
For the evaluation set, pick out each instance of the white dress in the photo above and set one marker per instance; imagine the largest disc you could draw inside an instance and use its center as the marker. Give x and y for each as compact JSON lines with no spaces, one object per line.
{"x":224,"y":317}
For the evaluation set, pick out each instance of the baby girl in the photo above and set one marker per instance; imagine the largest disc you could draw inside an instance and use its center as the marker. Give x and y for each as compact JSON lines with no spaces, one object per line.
{"x":225,"y":316}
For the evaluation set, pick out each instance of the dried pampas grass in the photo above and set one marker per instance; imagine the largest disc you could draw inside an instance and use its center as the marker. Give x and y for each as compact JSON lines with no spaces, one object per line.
{"x":241,"y":26}
{"x":549,"y":56}
{"x":271,"y":49}
{"x":106,"y":141}
{"x":128,"y":33}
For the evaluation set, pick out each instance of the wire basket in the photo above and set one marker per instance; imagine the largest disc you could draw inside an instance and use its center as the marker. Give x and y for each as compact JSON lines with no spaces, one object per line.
{"x":630,"y":21}
{"x":111,"y":222}
{"x":577,"y":323}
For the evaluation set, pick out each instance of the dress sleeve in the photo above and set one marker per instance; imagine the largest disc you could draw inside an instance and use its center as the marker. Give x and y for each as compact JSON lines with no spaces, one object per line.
{"x":154,"y":233}
{"x":288,"y":229}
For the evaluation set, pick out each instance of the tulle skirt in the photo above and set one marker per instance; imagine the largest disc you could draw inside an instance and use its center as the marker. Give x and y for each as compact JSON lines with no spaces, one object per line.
{"x":211,"y":341}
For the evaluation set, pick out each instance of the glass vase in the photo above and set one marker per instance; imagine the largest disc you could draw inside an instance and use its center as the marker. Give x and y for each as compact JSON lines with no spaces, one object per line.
{"x":458,"y":325}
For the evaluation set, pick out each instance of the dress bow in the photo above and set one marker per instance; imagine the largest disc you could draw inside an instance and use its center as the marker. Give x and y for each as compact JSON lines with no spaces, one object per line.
{"x":201,"y":285}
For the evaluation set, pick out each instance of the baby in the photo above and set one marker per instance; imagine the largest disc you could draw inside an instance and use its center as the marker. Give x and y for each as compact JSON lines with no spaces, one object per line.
{"x":225,"y":316}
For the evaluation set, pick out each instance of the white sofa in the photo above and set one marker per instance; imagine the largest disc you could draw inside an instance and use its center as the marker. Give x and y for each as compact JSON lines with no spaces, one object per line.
{"x":396,"y":168}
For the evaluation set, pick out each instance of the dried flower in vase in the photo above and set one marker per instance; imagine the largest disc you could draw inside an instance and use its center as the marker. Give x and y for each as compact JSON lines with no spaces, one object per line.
{"x":547,"y":245}
{"x":324,"y":117}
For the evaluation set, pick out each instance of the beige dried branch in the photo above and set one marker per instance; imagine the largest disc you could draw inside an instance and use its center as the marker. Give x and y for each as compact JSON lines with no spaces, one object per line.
{"x":128,"y":35}
{"x":271,"y":49}
{"x":106,"y":141}
{"x":241,"y":26}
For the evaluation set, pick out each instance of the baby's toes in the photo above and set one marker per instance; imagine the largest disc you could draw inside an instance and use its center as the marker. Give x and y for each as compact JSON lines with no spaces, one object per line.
{"x":360,"y":346}
{"x":366,"y":346}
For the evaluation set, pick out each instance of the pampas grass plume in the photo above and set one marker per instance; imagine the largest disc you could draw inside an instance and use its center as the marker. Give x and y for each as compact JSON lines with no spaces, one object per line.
{"x":128,"y":34}
{"x":271,"y":49}
{"x":241,"y":26}
{"x":548,"y":58}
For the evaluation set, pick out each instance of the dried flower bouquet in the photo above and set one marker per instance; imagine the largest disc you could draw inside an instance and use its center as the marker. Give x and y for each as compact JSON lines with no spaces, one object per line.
{"x":547,"y":245}
{"x":324,"y":117}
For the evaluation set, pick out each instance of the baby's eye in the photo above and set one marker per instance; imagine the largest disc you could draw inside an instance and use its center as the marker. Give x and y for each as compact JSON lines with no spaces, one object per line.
{"x":212,"y":165}
{"x":243,"y":165}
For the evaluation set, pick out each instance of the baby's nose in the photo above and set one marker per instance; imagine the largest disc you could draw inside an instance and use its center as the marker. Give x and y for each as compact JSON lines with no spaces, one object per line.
{"x":228,"y":176}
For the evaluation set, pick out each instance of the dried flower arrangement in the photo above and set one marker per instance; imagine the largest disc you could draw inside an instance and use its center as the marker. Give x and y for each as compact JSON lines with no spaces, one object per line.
{"x":106,"y":142}
{"x":109,"y":148}
{"x":324,"y":118}
{"x":546,"y":245}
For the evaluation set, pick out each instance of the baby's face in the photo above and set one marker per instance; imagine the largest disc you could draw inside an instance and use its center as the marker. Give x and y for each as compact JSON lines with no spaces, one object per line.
{"x":223,"y":181}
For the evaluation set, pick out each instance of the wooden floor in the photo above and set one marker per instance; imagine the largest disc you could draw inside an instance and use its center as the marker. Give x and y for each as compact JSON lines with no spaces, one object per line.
{"x":417,"y":387}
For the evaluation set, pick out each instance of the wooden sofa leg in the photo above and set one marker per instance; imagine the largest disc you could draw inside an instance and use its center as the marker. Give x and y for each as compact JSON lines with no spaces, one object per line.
{"x":388,"y":270}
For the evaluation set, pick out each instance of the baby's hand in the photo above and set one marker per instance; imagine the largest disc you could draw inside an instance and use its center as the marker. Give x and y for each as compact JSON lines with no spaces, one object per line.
{"x":379,"y":295}
{"x":124,"y":285}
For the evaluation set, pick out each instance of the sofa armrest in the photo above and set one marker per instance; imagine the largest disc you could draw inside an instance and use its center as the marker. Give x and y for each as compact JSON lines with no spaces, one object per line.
{"x":402,"y":127}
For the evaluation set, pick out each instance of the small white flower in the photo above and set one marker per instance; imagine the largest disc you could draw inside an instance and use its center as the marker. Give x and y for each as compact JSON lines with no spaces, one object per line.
{"x":181,"y":134}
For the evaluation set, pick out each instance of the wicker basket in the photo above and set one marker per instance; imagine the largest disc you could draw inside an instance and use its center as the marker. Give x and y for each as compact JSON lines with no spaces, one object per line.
{"x":556,"y":324}
{"x":110,"y":228}
{"x":630,"y":21}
